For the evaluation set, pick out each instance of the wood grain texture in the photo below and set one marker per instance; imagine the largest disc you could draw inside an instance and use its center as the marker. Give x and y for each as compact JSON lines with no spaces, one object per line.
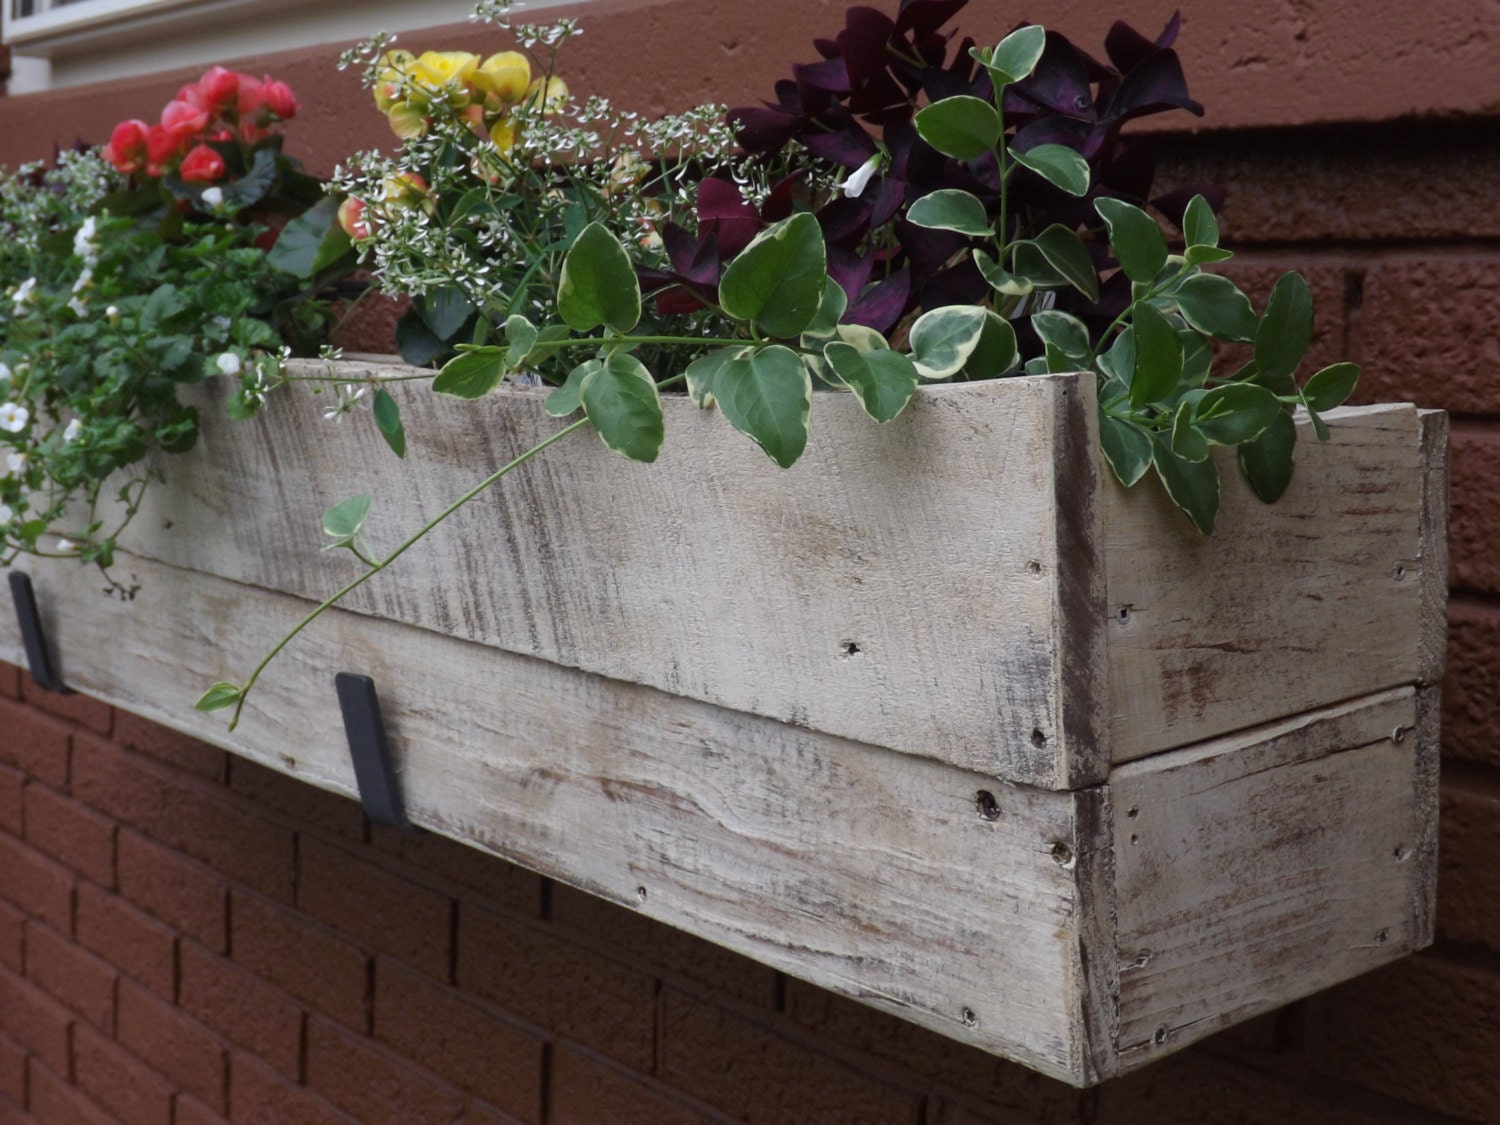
{"x":862,"y":870}
{"x":1424,"y":845}
{"x":1286,"y":607}
{"x":1433,"y":628}
{"x":1258,"y":868}
{"x":900,"y":585}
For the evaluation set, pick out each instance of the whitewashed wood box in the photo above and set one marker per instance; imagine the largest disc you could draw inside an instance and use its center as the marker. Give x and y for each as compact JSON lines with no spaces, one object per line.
{"x":941,"y":719}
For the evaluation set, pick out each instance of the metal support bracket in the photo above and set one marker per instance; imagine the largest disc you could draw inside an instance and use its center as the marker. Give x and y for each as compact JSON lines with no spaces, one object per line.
{"x":370,"y":751}
{"x":33,"y":637}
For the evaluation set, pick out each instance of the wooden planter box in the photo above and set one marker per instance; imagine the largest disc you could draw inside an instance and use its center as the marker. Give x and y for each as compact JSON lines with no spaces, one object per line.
{"x":941,"y":719}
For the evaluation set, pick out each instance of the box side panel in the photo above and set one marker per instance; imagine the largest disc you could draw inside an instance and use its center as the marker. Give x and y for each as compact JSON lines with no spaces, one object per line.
{"x":1287,"y":607}
{"x":1433,"y":638}
{"x":1257,"y":869}
{"x":896,"y":586}
{"x":866,"y":871}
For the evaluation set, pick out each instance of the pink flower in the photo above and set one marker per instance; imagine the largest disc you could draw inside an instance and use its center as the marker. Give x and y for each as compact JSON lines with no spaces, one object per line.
{"x":219,"y":88}
{"x":183,"y":119}
{"x":202,"y":166}
{"x":252,"y":97}
{"x":127,"y":146}
{"x":279,"y":99}
{"x":353,"y":219}
{"x":162,"y":148}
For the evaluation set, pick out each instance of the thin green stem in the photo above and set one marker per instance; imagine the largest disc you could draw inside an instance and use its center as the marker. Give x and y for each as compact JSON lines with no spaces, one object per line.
{"x":349,"y":587}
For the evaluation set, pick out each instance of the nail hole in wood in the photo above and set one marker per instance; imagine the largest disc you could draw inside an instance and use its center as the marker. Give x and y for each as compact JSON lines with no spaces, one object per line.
{"x":1133,"y":811}
{"x":1399,"y":573}
{"x":989,"y":808}
{"x":1142,"y":959}
{"x":1062,"y":855}
{"x":1401,"y":853}
{"x":1038,"y":737}
{"x":850,"y":649}
{"x":1134,"y":839}
{"x":1034,"y":567}
{"x":969,"y":1018}
{"x":640,"y":894}
{"x":1160,"y":1036}
{"x":1398,"y":735}
{"x":1122,"y":615}
{"x":1382,"y":937}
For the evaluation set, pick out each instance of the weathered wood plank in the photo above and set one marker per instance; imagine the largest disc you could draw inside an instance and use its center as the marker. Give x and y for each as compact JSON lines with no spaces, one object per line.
{"x":862,"y":870}
{"x":1258,"y":868}
{"x":1287,"y":607}
{"x":1433,"y":630}
{"x":930,"y":585}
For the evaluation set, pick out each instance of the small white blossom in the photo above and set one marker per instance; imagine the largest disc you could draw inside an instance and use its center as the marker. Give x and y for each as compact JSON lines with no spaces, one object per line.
{"x":113,"y":314}
{"x":13,"y":418}
{"x":16,"y":462}
{"x":83,"y":242}
{"x":85,"y":279}
{"x":66,"y":546}
{"x":4,"y":373}
{"x":6,"y":513}
{"x":212,"y":196}
{"x":23,"y":295}
{"x":72,"y":430}
{"x":860,"y":178}
{"x":349,"y":396}
{"x":229,"y":364}
{"x":78,"y":305}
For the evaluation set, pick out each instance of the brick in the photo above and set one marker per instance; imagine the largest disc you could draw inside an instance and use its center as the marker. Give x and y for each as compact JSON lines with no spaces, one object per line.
{"x":37,"y":885}
{"x":463,"y":1041}
{"x":532,"y":972}
{"x":585,"y":1089}
{"x":373,"y":906}
{"x":1469,"y":861}
{"x":53,"y":1100}
{"x":749,"y":1072}
{"x":296,"y":800}
{"x":1471,"y":683}
{"x":194,"y":817}
{"x":260,"y":1096}
{"x":68,"y":973}
{"x":11,"y":782}
{"x":169,"y":747}
{"x":71,"y":833}
{"x":481,"y":1114}
{"x":12,"y":1069}
{"x":1422,"y":1031}
{"x":181,"y":893}
{"x":83,"y":710}
{"x":664,"y":949}
{"x":34,"y":743}
{"x":490,"y":877}
{"x":35,"y":1020}
{"x":171,"y":1041}
{"x":309,"y":961}
{"x":12,"y":1114}
{"x":242,"y":1008}
{"x":10,"y":680}
{"x":12,"y":927}
{"x":1473,"y":522}
{"x":136,"y":1094}
{"x":188,"y":1110}
{"x":1414,"y":311}
{"x":913,"y":1053}
{"x":373,"y":1085}
{"x":132,"y":941}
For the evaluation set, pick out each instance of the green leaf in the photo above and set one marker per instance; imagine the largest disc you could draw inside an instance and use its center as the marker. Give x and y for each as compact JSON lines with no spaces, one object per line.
{"x":1192,"y":485}
{"x":1236,"y":412}
{"x":415,"y":341}
{"x":777,"y":281}
{"x":1063,"y":331}
{"x":444,"y":310}
{"x":996,"y":353}
{"x":621,"y":400}
{"x":222,"y":694}
{"x":1320,"y":428}
{"x":1215,"y":305}
{"x":768,"y":396}
{"x":388,"y":422}
{"x":1269,"y":460}
{"x":1015,"y":57}
{"x":1158,"y":357}
{"x":1059,"y":165}
{"x":1199,"y":225}
{"x":1126,"y":447}
{"x":1286,"y":329}
{"x":943,"y":339}
{"x":255,"y":184}
{"x":1066,"y":253}
{"x":951,"y":209}
{"x":162,"y":305}
{"x":1118,"y":362}
{"x":1203,"y":255}
{"x":345,"y":521}
{"x":702,"y":372}
{"x":520,"y":335}
{"x":569,"y":397}
{"x":831,"y":310}
{"x":598,"y":284}
{"x":472,"y":374}
{"x":1331,"y":386}
{"x":883,"y":381}
{"x":300,"y":248}
{"x":1007,"y":284}
{"x":962,"y":127}
{"x":1187,"y":442}
{"x":1135,"y":238}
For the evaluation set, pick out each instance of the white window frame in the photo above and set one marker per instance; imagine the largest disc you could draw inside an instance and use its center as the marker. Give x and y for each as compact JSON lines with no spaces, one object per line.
{"x":101,"y":40}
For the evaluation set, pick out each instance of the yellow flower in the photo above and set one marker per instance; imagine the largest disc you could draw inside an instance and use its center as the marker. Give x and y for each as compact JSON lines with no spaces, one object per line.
{"x":503,"y":78}
{"x":407,"y":121}
{"x":443,"y":76}
{"x":551,"y":94}
{"x":391,"y":79}
{"x":504,"y":133}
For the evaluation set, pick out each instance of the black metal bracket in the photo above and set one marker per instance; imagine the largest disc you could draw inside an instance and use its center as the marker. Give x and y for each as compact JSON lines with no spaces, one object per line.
{"x":33,"y":636}
{"x":370,"y":751}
